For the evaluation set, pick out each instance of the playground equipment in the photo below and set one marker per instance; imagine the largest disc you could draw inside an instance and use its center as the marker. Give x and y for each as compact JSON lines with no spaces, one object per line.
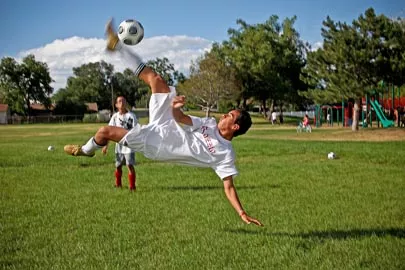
{"x":301,"y":128}
{"x":380,"y":114}
{"x":371,"y":110}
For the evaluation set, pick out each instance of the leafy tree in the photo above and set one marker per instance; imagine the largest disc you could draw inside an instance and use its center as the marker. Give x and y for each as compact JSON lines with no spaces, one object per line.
{"x":268,"y":58}
{"x":97,"y":82}
{"x":127,"y":84}
{"x":66,"y":104}
{"x":355,"y":58}
{"x":91,"y":83}
{"x":166,"y":70}
{"x":210,"y":82}
{"x":21,"y":84}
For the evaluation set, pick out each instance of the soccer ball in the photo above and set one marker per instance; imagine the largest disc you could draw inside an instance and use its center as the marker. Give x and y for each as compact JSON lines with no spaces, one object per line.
{"x":130,"y":32}
{"x":50,"y":148}
{"x":331,"y":155}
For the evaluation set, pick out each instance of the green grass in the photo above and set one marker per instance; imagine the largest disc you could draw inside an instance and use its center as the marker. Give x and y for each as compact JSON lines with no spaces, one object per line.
{"x":61,"y":212}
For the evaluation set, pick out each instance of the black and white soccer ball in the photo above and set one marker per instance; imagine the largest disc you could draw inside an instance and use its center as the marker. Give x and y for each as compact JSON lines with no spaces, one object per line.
{"x":331,"y":155}
{"x":130,"y":32}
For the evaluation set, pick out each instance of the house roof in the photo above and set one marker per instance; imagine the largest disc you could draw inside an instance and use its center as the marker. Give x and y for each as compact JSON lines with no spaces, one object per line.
{"x":92,"y":107}
{"x":3,"y":107}
{"x":40,"y":107}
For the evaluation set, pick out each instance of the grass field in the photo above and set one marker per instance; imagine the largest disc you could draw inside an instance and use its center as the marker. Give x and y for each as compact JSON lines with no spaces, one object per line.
{"x":61,"y":212}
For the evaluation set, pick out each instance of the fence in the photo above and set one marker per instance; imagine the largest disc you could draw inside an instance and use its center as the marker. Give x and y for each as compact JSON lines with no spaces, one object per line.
{"x":296,"y":114}
{"x":44,"y":119}
{"x":94,"y":118}
{"x":299,"y":114}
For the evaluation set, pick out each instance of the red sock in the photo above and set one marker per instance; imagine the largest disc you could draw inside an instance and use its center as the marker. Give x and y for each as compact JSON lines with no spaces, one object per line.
{"x":132,"y":179}
{"x":118,"y":175}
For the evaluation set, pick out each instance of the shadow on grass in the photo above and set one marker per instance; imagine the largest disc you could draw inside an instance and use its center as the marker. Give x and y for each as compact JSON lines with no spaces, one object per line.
{"x":333,"y":234}
{"x":205,"y":188}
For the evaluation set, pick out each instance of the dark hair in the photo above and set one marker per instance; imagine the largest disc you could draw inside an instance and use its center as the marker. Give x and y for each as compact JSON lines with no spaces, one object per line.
{"x":244,"y":121}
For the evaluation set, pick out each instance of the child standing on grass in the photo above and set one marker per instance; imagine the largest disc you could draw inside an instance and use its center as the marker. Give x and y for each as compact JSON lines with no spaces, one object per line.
{"x":123,"y":155}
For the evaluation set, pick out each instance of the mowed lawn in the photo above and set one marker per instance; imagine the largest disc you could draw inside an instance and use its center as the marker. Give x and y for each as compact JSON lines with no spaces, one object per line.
{"x":62,"y":212}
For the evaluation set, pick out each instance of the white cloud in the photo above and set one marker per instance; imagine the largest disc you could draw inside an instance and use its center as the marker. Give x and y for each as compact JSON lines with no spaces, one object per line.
{"x":62,"y":55}
{"x":316,"y":46}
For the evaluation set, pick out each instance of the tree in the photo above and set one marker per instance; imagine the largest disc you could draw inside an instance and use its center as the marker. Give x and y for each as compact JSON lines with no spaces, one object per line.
{"x":127,"y":84}
{"x":66,"y":104}
{"x":166,"y":70}
{"x":22,"y":84}
{"x":210,"y":82}
{"x":355,"y":58}
{"x":268,"y":58}
{"x":92,"y":83}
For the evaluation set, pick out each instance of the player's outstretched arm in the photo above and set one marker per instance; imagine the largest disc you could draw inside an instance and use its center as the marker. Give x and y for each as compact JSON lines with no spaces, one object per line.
{"x":178,"y":115}
{"x":233,"y":198}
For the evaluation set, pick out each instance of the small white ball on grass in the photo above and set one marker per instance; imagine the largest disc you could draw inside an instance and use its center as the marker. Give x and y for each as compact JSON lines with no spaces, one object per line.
{"x":50,"y":148}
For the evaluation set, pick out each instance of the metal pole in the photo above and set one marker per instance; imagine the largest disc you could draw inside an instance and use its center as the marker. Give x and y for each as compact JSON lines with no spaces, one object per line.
{"x":337,"y":114}
{"x":343,"y":112}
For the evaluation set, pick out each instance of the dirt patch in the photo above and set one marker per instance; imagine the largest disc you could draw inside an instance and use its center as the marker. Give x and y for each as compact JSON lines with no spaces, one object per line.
{"x":337,"y":134}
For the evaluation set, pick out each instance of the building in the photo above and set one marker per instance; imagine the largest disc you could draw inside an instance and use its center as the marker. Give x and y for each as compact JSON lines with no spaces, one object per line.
{"x":91,"y":107}
{"x":4,"y":114}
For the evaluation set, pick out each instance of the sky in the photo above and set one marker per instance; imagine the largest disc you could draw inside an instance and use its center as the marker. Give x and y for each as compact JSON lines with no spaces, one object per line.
{"x":69,"y":33}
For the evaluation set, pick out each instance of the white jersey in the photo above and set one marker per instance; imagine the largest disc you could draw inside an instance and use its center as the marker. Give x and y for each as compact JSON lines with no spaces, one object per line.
{"x":127,"y":120}
{"x":274,"y":116}
{"x":164,"y":139}
{"x":199,"y":145}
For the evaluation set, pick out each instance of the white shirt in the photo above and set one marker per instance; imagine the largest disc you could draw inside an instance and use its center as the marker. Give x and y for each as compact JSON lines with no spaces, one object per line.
{"x":127,"y":120}
{"x":199,"y":145}
{"x":274,"y":115}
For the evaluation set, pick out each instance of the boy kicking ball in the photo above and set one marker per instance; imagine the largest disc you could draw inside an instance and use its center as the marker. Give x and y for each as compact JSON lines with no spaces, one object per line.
{"x":173,"y":136}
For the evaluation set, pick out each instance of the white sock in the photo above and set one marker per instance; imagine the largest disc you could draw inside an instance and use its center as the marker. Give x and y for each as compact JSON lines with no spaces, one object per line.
{"x":91,"y":146}
{"x":133,"y":60}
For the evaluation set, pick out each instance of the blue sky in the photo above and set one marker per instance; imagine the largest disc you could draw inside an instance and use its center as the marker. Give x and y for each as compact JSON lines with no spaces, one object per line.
{"x":29,"y":26}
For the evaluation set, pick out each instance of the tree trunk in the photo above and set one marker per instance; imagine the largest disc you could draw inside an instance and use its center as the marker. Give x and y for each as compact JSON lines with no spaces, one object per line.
{"x":271,"y":109}
{"x":281,"y":117}
{"x":244,"y":103}
{"x":207,"y":112}
{"x":356,"y":113}
{"x":264,"y":109}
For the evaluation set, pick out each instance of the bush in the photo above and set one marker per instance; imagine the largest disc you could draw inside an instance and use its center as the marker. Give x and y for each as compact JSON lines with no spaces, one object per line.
{"x":225,"y":106}
{"x":90,"y":118}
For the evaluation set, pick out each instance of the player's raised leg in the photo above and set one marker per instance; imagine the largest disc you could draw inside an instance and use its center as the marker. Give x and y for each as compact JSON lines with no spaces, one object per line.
{"x":100,"y":139}
{"x":148,"y":75}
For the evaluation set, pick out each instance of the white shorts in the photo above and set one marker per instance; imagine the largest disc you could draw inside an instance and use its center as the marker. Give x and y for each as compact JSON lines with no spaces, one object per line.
{"x":160,"y":109}
{"x":160,"y":115}
{"x":124,"y":159}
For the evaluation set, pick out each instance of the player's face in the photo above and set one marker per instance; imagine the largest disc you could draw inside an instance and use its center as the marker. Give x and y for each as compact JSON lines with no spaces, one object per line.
{"x":227,"y":121}
{"x":121,"y":103}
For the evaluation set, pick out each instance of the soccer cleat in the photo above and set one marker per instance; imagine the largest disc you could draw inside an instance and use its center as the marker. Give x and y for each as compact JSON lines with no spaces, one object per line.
{"x":76,"y":150}
{"x":112,"y":37}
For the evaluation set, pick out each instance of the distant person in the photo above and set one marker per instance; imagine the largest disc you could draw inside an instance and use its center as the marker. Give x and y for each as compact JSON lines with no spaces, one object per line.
{"x":401,"y":115}
{"x":305,"y":121}
{"x":328,"y":119}
{"x":396,"y":116}
{"x":281,"y":118}
{"x":123,"y":155}
{"x":273,"y":118}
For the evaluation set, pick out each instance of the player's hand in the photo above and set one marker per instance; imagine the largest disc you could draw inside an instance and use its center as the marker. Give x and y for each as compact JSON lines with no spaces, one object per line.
{"x":104,"y":150}
{"x":249,"y":220}
{"x":178,"y":102}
